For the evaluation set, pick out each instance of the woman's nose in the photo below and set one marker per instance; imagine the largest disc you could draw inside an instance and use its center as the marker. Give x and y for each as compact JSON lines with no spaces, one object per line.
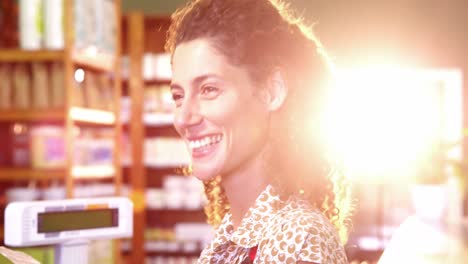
{"x":188,"y":115}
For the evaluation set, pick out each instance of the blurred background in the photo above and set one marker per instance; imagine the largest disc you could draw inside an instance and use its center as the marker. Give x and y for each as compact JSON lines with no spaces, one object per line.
{"x":72,"y":104}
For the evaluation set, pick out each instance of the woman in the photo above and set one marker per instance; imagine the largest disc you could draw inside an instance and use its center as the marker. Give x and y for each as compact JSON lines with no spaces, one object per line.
{"x":248,"y":81}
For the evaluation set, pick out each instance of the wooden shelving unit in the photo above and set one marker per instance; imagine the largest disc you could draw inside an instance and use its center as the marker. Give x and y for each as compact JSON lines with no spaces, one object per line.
{"x":133,"y":41}
{"x":92,"y":116}
{"x":14,"y":174}
{"x":97,"y":61}
{"x":32,"y":115}
{"x":20,"y":55}
{"x":70,"y":116}
{"x":77,"y":114}
{"x":146,"y":34}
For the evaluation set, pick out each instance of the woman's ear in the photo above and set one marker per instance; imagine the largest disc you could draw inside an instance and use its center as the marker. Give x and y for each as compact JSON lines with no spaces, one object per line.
{"x":276,"y":90}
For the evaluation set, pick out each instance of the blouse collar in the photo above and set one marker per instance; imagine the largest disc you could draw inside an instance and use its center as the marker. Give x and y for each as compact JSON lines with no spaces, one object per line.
{"x":253,"y":225}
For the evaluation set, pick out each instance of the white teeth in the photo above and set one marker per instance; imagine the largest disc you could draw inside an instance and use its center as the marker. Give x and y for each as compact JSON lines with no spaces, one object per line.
{"x":193,"y":144}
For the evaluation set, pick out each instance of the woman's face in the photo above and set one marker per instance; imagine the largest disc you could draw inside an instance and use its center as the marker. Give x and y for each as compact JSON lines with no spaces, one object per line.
{"x":218,"y":114}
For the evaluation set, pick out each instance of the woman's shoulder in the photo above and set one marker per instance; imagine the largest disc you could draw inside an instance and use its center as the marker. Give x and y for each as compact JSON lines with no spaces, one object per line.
{"x":303,"y":233}
{"x":301,"y":214}
{"x":318,"y":238}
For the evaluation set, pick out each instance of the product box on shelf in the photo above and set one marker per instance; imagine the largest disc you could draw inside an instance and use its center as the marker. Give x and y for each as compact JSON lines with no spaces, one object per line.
{"x":6,"y":86}
{"x":20,"y":144}
{"x":48,"y":147}
{"x":22,"y":86}
{"x":36,"y":85}
{"x":40,"y":85}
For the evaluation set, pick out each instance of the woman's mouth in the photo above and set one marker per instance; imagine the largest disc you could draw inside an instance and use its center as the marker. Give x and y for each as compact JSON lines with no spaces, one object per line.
{"x":203,"y":146}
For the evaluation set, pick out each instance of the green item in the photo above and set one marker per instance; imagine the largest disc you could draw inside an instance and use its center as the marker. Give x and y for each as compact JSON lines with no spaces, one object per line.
{"x":45,"y":255}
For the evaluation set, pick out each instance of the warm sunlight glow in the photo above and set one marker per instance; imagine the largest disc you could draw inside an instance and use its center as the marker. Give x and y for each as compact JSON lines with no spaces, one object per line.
{"x":385,"y":120}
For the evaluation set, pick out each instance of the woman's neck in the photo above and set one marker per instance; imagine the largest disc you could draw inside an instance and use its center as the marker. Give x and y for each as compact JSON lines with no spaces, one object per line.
{"x":243,"y":186}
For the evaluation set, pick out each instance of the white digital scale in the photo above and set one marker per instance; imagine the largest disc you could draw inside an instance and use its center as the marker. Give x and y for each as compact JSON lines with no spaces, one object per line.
{"x":68,"y":224}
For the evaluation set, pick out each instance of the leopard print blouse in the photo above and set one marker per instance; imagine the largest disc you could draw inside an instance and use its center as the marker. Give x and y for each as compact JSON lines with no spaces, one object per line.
{"x":283,"y":232}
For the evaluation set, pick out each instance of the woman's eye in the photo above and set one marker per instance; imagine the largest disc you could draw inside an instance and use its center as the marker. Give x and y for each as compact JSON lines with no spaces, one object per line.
{"x":177,"y":98}
{"x":210,"y":92}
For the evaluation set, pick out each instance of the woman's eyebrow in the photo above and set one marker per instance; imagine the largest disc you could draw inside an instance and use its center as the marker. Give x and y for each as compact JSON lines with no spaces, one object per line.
{"x":195,"y":82}
{"x":199,"y":79}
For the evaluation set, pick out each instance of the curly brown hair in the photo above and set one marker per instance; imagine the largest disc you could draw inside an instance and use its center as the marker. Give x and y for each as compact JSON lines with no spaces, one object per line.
{"x":264,"y":36}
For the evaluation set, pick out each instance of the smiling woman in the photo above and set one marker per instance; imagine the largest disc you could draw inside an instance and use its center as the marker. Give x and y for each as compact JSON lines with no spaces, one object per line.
{"x":248,"y":81}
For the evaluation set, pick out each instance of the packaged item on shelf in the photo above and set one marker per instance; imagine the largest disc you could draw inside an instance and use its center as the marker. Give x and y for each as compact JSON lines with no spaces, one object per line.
{"x":94,"y":190}
{"x":79,"y":90}
{"x":165,"y":152}
{"x":188,"y":233}
{"x":181,"y":192}
{"x":17,"y":194}
{"x":155,"y":198}
{"x":148,"y":66}
{"x":48,"y":147}
{"x":151,"y":99}
{"x":106,"y":92}
{"x":107,"y":24}
{"x":101,"y":151}
{"x":125,"y":111}
{"x":6,"y":86}
{"x":57,"y":90}
{"x":162,"y":66}
{"x":125,"y":67}
{"x":20,"y":144}
{"x":85,"y":23}
{"x":40,"y":86}
{"x":101,"y":20}
{"x":93,"y":148}
{"x":165,"y":99}
{"x":5,"y":141}
{"x":9,"y":23}
{"x":173,"y":191}
{"x":30,"y":24}
{"x":53,"y":24}
{"x":91,"y":90}
{"x":56,"y":192}
{"x":22,"y":86}
{"x":126,"y":150}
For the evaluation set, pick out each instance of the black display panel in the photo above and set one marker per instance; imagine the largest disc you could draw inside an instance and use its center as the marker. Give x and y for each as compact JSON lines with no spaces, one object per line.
{"x":49,"y":222}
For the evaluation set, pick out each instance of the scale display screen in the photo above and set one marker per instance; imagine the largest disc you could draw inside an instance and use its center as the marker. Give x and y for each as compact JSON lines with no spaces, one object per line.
{"x":58,"y":221}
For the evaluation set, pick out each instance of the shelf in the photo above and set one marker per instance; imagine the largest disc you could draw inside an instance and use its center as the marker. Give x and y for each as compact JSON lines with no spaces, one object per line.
{"x":153,"y":119}
{"x":78,"y":172}
{"x":86,"y":58}
{"x":152,"y":249}
{"x":32,"y":115}
{"x":147,"y":82}
{"x":90,"y":58}
{"x":78,"y":114}
{"x":92,"y":116}
{"x":158,"y":119}
{"x":93,"y":172}
{"x":19,"y":55}
{"x":168,"y":217}
{"x":10,"y":174}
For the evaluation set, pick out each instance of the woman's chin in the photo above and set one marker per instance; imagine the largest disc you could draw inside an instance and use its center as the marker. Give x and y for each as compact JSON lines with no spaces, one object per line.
{"x":203,"y":174}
